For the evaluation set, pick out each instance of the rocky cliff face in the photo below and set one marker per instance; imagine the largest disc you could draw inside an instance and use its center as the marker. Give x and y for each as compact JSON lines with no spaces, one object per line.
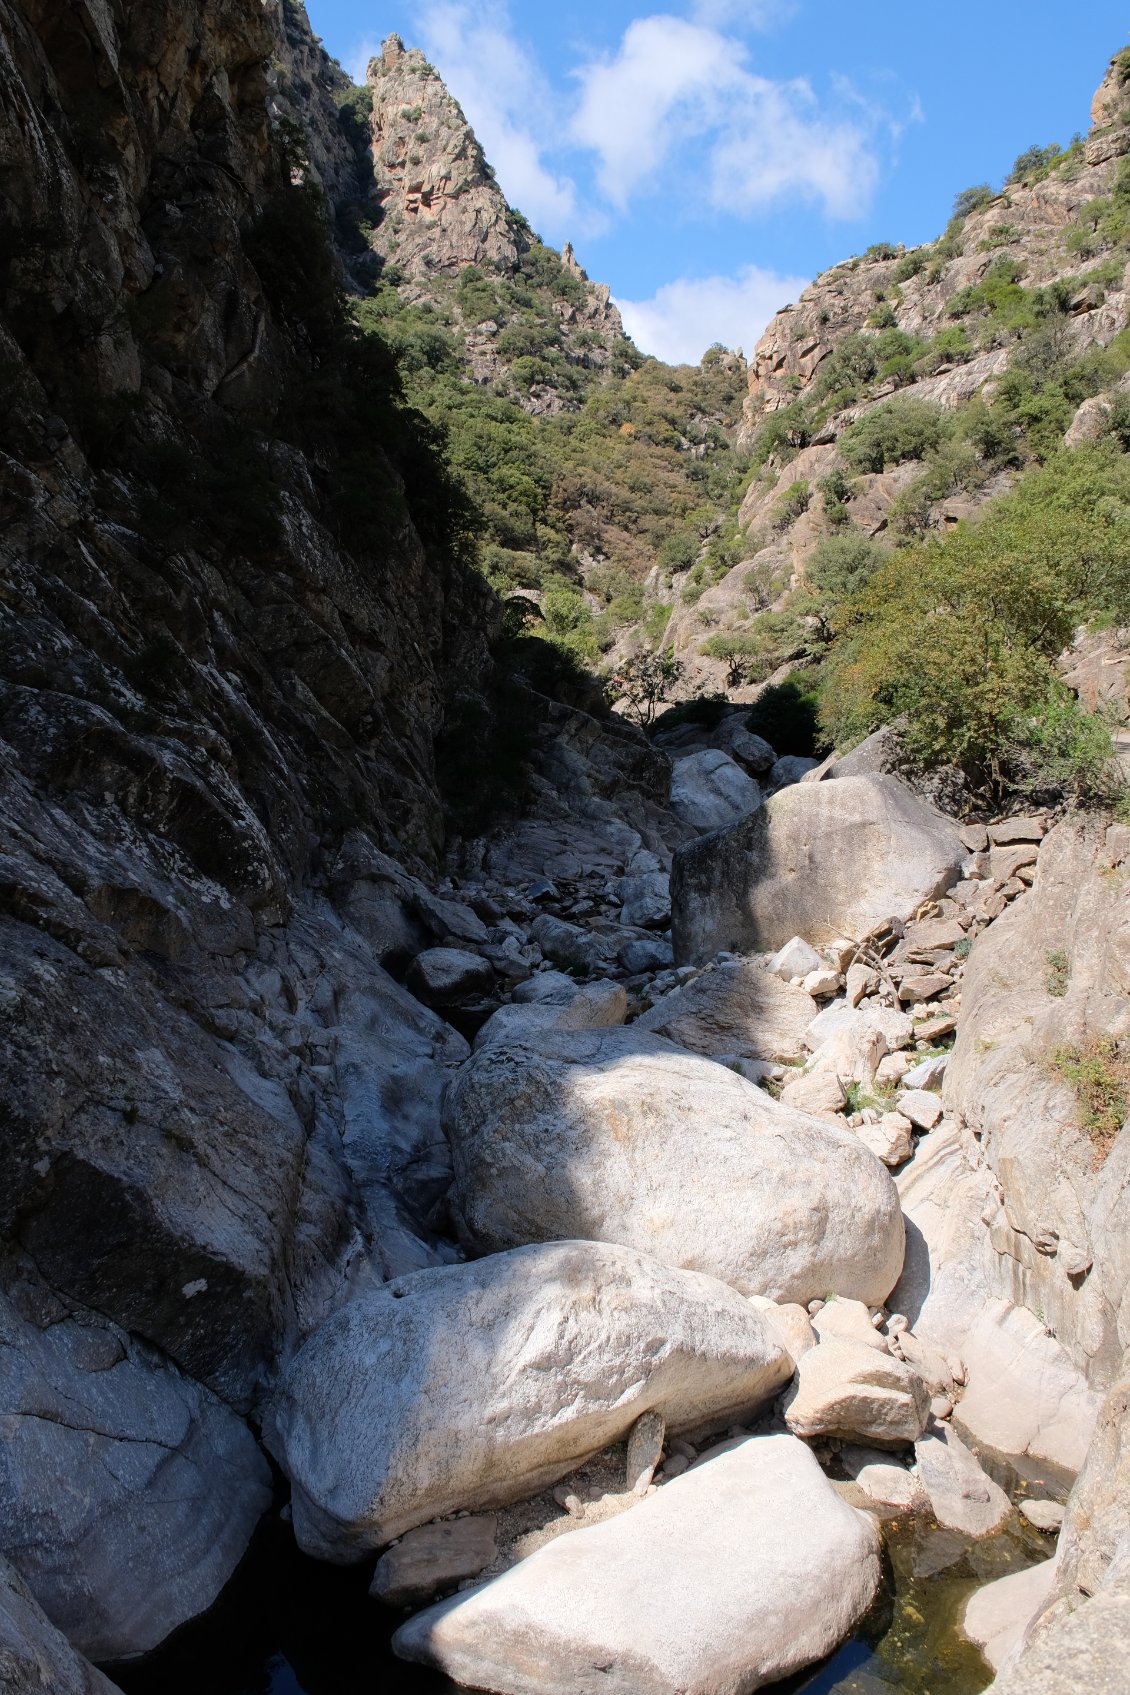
{"x":210,"y":673}
{"x":917,"y":324}
{"x":238,"y":618}
{"x":440,"y":210}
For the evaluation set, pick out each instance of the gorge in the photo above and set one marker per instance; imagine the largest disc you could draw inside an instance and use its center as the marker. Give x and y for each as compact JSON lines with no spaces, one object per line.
{"x":563,"y":1024}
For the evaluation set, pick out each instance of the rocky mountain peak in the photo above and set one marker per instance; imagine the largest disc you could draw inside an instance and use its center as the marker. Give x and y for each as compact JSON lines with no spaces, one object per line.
{"x":441,"y":206}
{"x":1111,"y":97}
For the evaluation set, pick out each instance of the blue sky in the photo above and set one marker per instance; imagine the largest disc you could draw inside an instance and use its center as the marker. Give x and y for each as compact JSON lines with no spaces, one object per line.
{"x":709,"y":158}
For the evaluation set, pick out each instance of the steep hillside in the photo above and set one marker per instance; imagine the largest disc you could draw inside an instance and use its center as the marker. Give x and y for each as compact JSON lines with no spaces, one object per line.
{"x":907,"y":391}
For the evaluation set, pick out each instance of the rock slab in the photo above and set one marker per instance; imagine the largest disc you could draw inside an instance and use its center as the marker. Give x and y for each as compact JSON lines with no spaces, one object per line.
{"x":128,"y":1493}
{"x":473,"y":1385}
{"x":692,"y":1592}
{"x":433,"y":1558}
{"x":848,"y":1389}
{"x":35,"y":1658}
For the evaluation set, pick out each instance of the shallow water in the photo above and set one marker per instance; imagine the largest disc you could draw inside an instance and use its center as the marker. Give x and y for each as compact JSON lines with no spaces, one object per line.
{"x":287,"y":1625}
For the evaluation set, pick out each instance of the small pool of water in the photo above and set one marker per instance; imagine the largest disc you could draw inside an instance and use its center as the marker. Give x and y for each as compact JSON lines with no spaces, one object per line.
{"x":288,"y":1625}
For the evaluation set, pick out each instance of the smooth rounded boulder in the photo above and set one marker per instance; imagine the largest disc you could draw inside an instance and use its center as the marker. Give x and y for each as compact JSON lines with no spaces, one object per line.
{"x":620,"y":1136}
{"x":819,"y":860}
{"x":473,"y":1385}
{"x":743,"y":1570}
{"x":710,"y":790}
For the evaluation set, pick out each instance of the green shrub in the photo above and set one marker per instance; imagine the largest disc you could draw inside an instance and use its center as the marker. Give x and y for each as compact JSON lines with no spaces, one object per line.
{"x":900,"y":429}
{"x":972,"y":199}
{"x":911,"y":264}
{"x":958,"y":636}
{"x":839,"y":566}
{"x":787,"y":716}
{"x":1034,"y":162}
{"x":837,"y":489}
{"x":1059,"y":974}
{"x":794,"y":501}
{"x":1098,"y":1071}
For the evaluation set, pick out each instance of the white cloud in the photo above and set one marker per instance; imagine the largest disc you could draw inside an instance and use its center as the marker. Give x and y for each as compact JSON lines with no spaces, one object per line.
{"x":500,"y":87}
{"x":683,"y":318}
{"x":666,"y":82}
{"x":680,"y":87}
{"x":356,"y":61}
{"x":784,"y":147}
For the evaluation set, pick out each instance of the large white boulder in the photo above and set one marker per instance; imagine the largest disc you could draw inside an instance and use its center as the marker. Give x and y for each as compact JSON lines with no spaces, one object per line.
{"x":619,"y":1136}
{"x":819,"y":860}
{"x":473,"y":1385}
{"x":709,"y":790}
{"x":962,"y":1495}
{"x":997,"y":1615}
{"x":743,"y":1570}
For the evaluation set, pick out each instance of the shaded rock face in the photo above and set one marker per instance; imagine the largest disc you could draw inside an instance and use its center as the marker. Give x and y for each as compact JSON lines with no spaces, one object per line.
{"x":128,"y":1493}
{"x":1081,"y":1636}
{"x":693,"y":1591}
{"x":1059,"y":1210}
{"x":820,"y":860}
{"x":738,"y":1007}
{"x":478,"y":1384}
{"x":1095,"y":1530}
{"x":37,"y":1659}
{"x":617,"y":1135}
{"x":206,"y":1083}
{"x":1023,"y":1393}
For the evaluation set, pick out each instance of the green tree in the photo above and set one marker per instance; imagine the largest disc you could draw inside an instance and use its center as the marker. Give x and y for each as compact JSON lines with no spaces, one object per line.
{"x":643,"y":681}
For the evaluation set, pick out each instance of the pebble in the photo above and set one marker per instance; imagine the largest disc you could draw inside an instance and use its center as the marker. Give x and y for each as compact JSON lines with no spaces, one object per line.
{"x":1043,"y":1515}
{"x":674,"y":1466}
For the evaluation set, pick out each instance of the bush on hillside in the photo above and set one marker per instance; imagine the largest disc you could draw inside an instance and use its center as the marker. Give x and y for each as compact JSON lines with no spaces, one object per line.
{"x":959,"y":634}
{"x":972,"y":199}
{"x":900,"y":429}
{"x":787,"y":716}
{"x":840,"y":566}
{"x":1033,"y":162}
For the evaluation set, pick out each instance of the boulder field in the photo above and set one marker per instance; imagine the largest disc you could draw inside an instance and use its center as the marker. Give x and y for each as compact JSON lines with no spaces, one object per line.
{"x":625,"y":1206}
